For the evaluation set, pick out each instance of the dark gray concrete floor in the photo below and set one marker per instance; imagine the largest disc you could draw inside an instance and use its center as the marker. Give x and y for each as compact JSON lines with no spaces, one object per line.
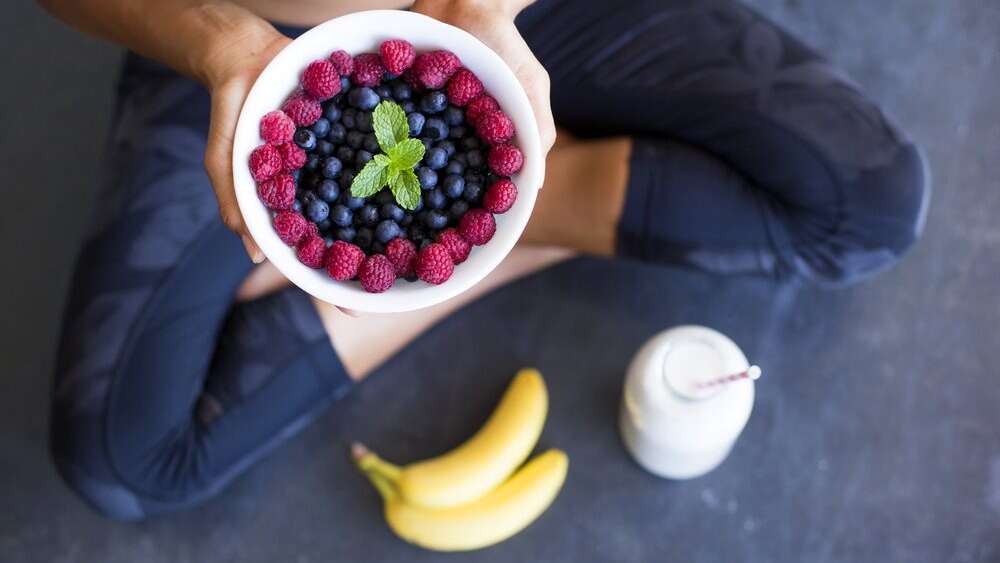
{"x":900,"y":371}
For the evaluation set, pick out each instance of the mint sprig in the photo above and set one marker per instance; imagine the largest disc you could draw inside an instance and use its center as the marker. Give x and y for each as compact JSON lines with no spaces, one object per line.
{"x":393,"y":167}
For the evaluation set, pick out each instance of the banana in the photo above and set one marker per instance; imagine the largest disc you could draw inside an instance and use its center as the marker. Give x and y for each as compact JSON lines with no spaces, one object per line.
{"x":487,"y":458}
{"x":494,"y":517}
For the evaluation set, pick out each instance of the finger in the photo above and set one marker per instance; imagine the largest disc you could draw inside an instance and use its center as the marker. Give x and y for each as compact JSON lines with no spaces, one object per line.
{"x":536,"y":81}
{"x":349,"y":312}
{"x":226,"y":103}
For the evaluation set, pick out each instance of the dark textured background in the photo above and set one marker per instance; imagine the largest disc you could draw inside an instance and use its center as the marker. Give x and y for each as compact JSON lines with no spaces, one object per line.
{"x":876,"y":435}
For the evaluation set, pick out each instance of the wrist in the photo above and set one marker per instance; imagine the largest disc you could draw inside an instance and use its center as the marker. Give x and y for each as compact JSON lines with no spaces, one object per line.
{"x":231,"y":41}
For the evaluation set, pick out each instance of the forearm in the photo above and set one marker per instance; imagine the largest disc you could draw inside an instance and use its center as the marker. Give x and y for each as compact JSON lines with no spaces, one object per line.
{"x":456,"y":8}
{"x":195,"y":37}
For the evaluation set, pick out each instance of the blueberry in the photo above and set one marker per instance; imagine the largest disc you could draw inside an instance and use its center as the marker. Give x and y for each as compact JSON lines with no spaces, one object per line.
{"x":454,"y":167}
{"x":361,"y":158}
{"x":378,"y":247}
{"x":427,"y":178}
{"x":324,"y":148}
{"x":408,"y":106}
{"x":402,"y":91}
{"x":332,"y":166}
{"x":388,"y":76}
{"x":371,"y":143}
{"x":436,"y":219}
{"x":321,"y":127}
{"x":460,"y":157}
{"x":341,"y":216}
{"x":391,"y":211}
{"x":346,"y":179}
{"x":453,"y":186}
{"x":345,"y":84}
{"x":363,"y":98}
{"x":424,"y":243}
{"x":345,"y":154}
{"x":348,"y":118}
{"x":296,"y":174}
{"x":433,"y":102}
{"x":435,"y":199}
{"x":448,"y":146}
{"x":436,"y":158}
{"x":416,"y":123}
{"x":475,"y":159}
{"x":305,"y":139}
{"x":345,"y":234}
{"x":355,"y":139}
{"x":435,"y":129}
{"x":420,"y":205}
{"x":368,"y":215}
{"x":351,"y":202}
{"x":324,"y":226}
{"x":328,"y":191}
{"x":454,"y":116}
{"x":428,"y":144}
{"x":457,"y":209}
{"x":416,"y":230}
{"x":309,"y":197}
{"x":472,"y":192}
{"x":318,"y":211}
{"x":406,"y":220}
{"x":364,"y":121}
{"x":384,"y":92}
{"x":364,"y":237}
{"x":332,"y":113}
{"x":470,"y":143}
{"x":387,"y":230}
{"x":457,"y":132}
{"x":337,"y":133}
{"x":384,"y":196}
{"x":297,"y":206}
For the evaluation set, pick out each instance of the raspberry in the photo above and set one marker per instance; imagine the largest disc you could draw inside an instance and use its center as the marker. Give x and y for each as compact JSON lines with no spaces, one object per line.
{"x":495,"y":127}
{"x":343,"y":62}
{"x":397,"y":55}
{"x":480,"y":107}
{"x":320,"y":80}
{"x":368,"y":70}
{"x":434,"y":69}
{"x":290,"y":226}
{"x":433,"y":264}
{"x":500,"y":197}
{"x":311,"y":251}
{"x":376,"y":274}
{"x":477,"y":226}
{"x":505,"y":160}
{"x":412,"y":81}
{"x":277,"y":193}
{"x":312,"y":230}
{"x":401,"y":252}
{"x":303,"y":110}
{"x":464,"y":87}
{"x":265,"y":162}
{"x":343,"y":260}
{"x":458,"y":247}
{"x":292,"y":156}
{"x":276,"y":127}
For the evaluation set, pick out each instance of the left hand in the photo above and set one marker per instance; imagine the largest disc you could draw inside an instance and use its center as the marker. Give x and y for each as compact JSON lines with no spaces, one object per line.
{"x":492,"y":22}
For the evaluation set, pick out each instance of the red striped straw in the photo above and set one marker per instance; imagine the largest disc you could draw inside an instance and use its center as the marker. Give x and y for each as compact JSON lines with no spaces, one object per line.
{"x":752,"y":373}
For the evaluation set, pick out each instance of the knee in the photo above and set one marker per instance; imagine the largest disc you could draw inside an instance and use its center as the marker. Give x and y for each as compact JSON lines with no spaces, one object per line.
{"x":882,"y":219}
{"x":77,"y":454}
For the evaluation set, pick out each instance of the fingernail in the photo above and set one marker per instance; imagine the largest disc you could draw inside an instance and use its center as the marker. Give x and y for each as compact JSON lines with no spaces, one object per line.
{"x":256,"y":256}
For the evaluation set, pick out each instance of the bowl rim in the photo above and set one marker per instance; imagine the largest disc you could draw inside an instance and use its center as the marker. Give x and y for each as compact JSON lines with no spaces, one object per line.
{"x":400,"y":298}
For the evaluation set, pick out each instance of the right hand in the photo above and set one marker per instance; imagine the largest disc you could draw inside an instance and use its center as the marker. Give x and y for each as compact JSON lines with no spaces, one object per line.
{"x":229,"y":68}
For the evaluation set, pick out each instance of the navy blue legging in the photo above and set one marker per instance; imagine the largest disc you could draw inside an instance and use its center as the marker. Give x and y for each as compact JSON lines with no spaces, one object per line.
{"x":752,"y":154}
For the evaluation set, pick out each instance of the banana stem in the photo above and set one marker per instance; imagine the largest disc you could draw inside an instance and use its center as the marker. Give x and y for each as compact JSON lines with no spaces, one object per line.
{"x":367,"y":461}
{"x":382,"y":484}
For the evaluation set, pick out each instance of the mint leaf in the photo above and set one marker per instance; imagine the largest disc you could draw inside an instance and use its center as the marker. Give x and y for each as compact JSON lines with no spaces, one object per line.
{"x":389,"y":122}
{"x":406,"y":189}
{"x":383,"y":160}
{"x":370,"y":180}
{"x":406,"y":154}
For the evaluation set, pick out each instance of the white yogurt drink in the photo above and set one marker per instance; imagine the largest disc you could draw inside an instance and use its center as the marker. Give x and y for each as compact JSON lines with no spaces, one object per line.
{"x":672,"y":426}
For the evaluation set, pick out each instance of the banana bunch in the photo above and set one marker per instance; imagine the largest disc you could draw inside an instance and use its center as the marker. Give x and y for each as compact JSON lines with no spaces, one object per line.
{"x":479,"y":493}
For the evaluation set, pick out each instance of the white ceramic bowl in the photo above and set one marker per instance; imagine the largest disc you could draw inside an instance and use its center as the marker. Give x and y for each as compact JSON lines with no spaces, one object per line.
{"x":359,"y":33}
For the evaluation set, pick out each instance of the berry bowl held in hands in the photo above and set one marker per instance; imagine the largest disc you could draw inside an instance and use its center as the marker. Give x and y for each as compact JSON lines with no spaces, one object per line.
{"x":306,"y":185}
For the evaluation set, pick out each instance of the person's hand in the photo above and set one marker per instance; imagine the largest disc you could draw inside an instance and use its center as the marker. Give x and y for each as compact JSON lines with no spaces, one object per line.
{"x":492,"y":21}
{"x":229,"y":69}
